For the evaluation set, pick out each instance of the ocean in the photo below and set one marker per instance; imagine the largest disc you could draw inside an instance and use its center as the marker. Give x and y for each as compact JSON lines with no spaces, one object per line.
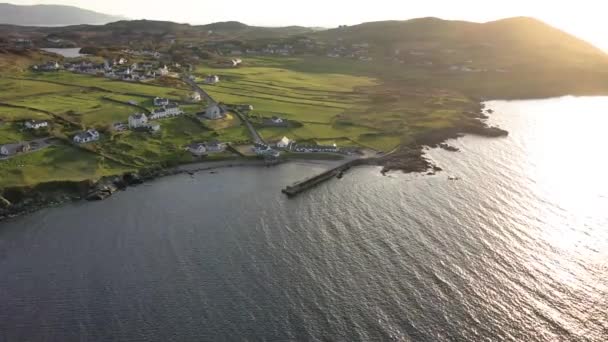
{"x":516,"y":249}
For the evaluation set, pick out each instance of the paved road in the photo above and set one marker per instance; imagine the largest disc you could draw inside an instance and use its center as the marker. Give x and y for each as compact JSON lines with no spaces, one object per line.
{"x":255,"y":136}
{"x":198,"y":89}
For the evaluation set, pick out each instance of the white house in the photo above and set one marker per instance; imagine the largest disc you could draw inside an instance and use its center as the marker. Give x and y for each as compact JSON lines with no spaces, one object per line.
{"x":33,"y":124}
{"x":214,"y":112}
{"x":164,"y":71}
{"x":197,"y":149}
{"x":195,"y":97}
{"x":86,"y":137}
{"x":166,"y":112}
{"x":212,"y":79}
{"x":215,"y":146}
{"x":284,"y":143}
{"x":137,"y":120}
{"x":159,"y":102}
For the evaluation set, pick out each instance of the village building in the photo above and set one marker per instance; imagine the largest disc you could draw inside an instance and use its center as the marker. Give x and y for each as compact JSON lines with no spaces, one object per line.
{"x":315,"y":148}
{"x":13,"y":149}
{"x":265,"y":151}
{"x":167,"y":111}
{"x":164,"y":71}
{"x":215,"y":147}
{"x":214,"y":112}
{"x":284,"y":143}
{"x":86,"y":137}
{"x":50,"y":66}
{"x":159,"y":102}
{"x":195,"y":97}
{"x":212,"y":79}
{"x":197,"y":149}
{"x":137,"y":120}
{"x":35,"y":125}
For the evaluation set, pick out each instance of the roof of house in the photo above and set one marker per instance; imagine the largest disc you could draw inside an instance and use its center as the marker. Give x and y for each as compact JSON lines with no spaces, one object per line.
{"x":139,"y":116}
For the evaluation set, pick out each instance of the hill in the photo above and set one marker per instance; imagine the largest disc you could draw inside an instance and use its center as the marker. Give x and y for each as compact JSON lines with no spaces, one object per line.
{"x":502,"y":43}
{"x":51,"y":15}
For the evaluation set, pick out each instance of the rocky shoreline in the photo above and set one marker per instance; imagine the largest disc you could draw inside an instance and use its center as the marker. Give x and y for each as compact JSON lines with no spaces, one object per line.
{"x":20,"y":201}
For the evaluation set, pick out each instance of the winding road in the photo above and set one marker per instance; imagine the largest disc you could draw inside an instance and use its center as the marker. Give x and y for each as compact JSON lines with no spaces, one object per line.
{"x":255,"y":136}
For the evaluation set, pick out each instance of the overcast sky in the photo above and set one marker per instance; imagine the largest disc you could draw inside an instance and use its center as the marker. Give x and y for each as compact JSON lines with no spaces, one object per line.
{"x":584,"y":18}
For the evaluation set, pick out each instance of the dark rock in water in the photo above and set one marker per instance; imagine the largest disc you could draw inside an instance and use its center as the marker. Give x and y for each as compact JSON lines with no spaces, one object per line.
{"x":449,"y":147}
{"x":437,"y":168}
{"x":490,"y":111}
{"x":120,"y":183}
{"x":132,"y":179}
{"x":101,"y":192}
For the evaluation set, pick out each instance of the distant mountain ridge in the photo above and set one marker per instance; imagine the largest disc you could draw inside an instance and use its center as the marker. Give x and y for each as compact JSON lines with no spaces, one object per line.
{"x":51,"y":15}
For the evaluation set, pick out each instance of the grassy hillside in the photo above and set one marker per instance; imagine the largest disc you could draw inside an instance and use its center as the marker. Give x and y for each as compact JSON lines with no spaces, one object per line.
{"x":509,"y":43}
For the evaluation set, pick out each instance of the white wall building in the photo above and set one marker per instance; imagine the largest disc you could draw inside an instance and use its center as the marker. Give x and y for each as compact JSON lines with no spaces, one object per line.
{"x":284,"y":143}
{"x":138,"y":121}
{"x":86,"y":137}
{"x":33,"y":124}
{"x":214,"y":112}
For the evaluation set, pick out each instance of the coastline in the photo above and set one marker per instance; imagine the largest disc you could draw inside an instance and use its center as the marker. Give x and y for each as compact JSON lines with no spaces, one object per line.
{"x":18,"y":201}
{"x":49,"y":195}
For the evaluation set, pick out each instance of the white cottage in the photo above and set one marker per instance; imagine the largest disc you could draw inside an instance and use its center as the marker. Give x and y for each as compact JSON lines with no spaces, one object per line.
{"x":284,"y":143}
{"x":34,"y":124}
{"x":198,"y":149}
{"x":214,"y":112}
{"x":138,"y":121}
{"x":86,"y":137}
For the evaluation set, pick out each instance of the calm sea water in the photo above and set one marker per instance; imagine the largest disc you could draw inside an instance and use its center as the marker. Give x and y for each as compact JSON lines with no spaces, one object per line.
{"x":514,"y":251}
{"x":65,"y":52}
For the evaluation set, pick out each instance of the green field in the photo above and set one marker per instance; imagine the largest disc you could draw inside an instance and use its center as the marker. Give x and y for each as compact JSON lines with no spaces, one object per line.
{"x":346,"y":102}
{"x":350,"y":104}
{"x":108,"y":85}
{"x":18,"y":114}
{"x":59,"y":163}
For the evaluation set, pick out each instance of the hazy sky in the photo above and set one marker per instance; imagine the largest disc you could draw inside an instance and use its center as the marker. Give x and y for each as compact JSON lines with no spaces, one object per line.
{"x":584,"y":18}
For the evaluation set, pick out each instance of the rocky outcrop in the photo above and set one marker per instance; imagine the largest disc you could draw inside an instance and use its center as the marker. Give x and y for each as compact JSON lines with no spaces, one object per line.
{"x":449,"y":148}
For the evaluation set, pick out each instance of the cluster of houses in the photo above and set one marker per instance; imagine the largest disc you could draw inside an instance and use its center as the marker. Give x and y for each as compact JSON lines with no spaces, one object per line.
{"x":49,"y":66}
{"x":113,"y":69}
{"x":36,"y":124}
{"x":22,"y":147}
{"x":314,"y":148}
{"x":141,"y":121}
